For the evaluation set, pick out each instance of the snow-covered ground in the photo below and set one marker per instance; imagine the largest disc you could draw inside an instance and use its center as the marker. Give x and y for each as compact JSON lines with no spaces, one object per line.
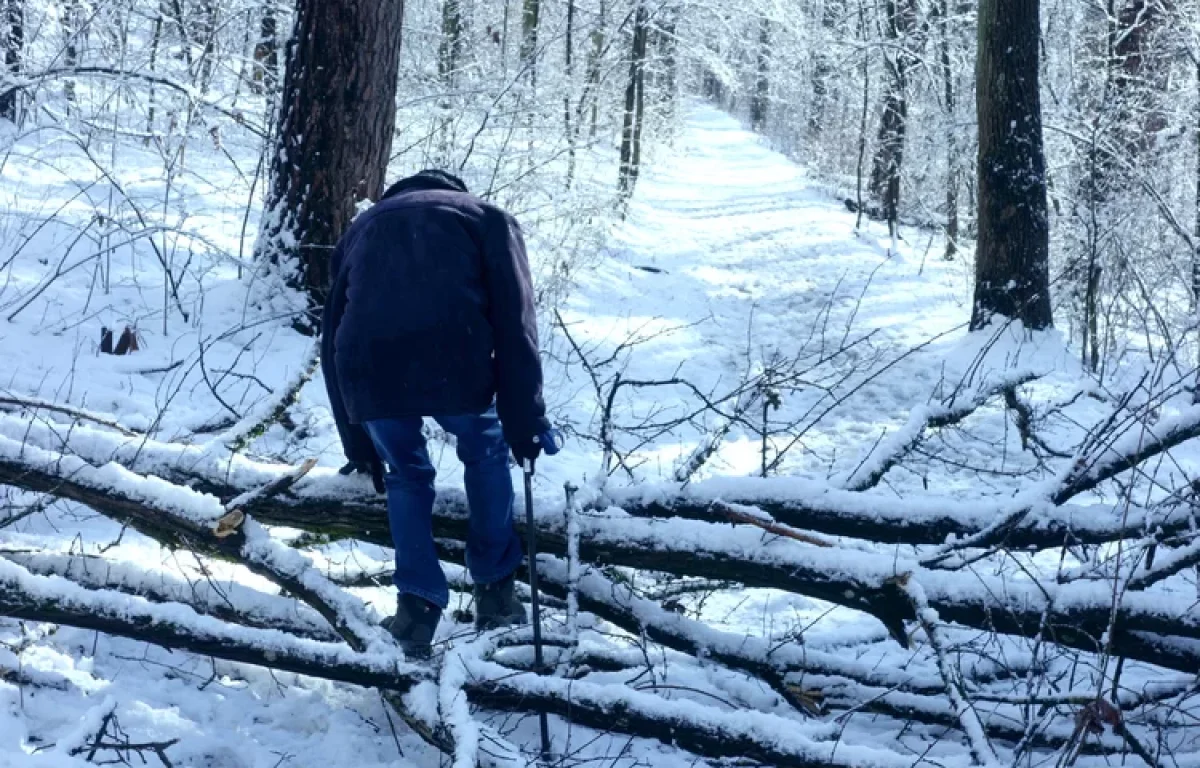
{"x":732,"y":261}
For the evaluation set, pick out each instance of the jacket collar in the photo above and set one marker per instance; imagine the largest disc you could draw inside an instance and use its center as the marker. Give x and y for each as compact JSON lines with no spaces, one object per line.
{"x":423,"y":182}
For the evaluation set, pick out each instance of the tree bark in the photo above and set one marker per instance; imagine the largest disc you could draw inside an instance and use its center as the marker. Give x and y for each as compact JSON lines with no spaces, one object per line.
{"x":1128,"y":117}
{"x":1013,"y":250}
{"x":334,"y":138}
{"x":14,"y":45}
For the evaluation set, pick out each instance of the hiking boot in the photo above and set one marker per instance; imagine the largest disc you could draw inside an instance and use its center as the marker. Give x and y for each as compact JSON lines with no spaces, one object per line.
{"x":413,"y":625}
{"x":496,"y":605}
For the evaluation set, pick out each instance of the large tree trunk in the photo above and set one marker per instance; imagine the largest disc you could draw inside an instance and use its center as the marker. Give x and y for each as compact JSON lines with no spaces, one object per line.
{"x":1012,"y":255}
{"x":336,"y":118}
{"x":631,"y":130}
{"x":1138,"y":78}
{"x":14,"y":44}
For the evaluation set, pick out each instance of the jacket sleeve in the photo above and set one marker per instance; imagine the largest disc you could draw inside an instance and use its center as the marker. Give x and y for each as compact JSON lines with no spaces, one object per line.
{"x":356,"y":443}
{"x":514,"y":326}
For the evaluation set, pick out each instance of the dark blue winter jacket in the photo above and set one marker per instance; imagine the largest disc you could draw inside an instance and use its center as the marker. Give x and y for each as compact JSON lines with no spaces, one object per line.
{"x":430,"y":314}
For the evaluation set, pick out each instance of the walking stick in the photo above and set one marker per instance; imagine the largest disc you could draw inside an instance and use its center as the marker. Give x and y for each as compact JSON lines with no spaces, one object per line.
{"x":535,"y":600}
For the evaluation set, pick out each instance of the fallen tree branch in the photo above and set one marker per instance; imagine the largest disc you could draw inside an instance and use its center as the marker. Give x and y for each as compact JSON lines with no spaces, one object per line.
{"x":232,"y":603}
{"x":256,"y":421}
{"x":704,"y":730}
{"x":891,"y":451}
{"x":36,"y":404}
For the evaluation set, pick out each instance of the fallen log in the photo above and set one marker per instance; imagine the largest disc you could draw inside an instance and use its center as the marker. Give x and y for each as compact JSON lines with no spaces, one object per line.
{"x":329,"y":505}
{"x":1074,"y":615}
{"x":701,"y":729}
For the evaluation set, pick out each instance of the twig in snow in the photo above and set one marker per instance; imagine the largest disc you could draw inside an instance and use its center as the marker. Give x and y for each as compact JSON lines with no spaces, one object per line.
{"x":767,"y":524}
{"x":35,"y":404}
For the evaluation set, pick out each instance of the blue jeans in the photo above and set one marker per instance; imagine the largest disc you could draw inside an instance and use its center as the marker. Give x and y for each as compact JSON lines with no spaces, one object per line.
{"x":493,"y":547}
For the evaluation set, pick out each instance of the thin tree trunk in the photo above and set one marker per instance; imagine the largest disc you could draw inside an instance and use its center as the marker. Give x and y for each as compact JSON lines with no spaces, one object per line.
{"x":449,"y":55}
{"x":862,"y":123}
{"x":631,"y":130}
{"x":504,"y":39}
{"x":889,"y":155}
{"x":531,"y":11}
{"x":155,"y":45}
{"x":450,"y":48}
{"x":951,"y":136}
{"x":334,"y":135}
{"x":1012,"y":255}
{"x":71,"y":21}
{"x":14,"y":45}
{"x":593,"y":66}
{"x":762,"y":83}
{"x":670,"y":62}
{"x":185,"y":36}
{"x":266,"y":51}
{"x":1196,"y":254}
{"x":569,"y":61}
{"x":207,"y":31}
{"x":821,"y":72}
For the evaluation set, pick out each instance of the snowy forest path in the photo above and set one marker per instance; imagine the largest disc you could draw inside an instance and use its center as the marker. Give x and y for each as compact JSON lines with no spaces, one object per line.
{"x":733,"y":255}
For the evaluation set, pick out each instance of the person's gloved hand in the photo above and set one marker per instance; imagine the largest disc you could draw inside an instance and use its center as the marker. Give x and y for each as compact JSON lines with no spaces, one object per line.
{"x":549,"y":442}
{"x":373,"y":468}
